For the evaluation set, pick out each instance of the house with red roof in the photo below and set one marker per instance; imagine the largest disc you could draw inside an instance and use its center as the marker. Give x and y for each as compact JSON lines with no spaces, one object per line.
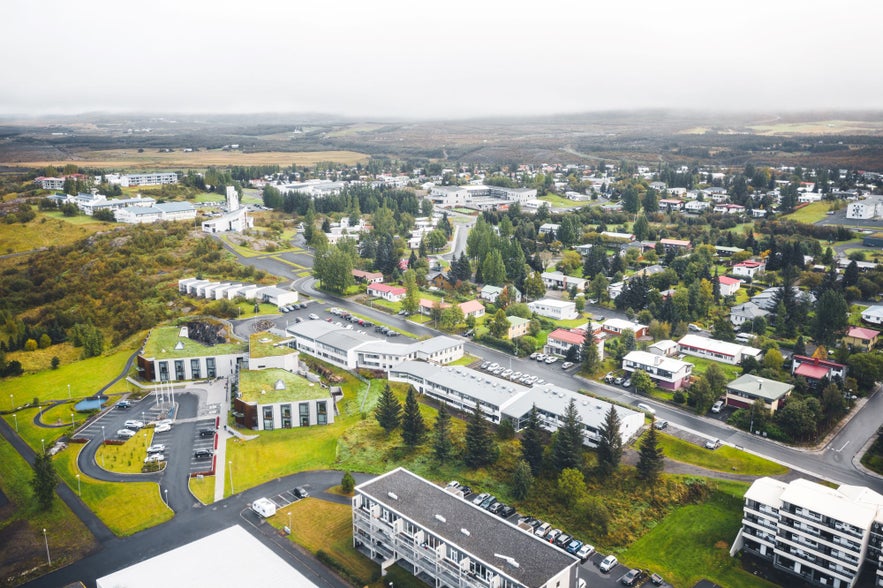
{"x":426,"y":306}
{"x":560,"y":341}
{"x":729,"y":286}
{"x":367,"y":277}
{"x":861,"y":339}
{"x":815,"y":370}
{"x":472,"y":308}
{"x":748,"y":268}
{"x":387,"y":292}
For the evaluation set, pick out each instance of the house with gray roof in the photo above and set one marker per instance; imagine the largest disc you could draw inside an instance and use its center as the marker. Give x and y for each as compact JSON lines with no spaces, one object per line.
{"x":745,"y":313}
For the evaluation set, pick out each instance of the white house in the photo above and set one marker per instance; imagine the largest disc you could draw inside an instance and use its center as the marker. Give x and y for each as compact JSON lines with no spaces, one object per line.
{"x":560,"y":281}
{"x":387,"y":292}
{"x":722,"y":351}
{"x":729,"y":286}
{"x":748,"y":268}
{"x":554,"y":309}
{"x":865,"y":209}
{"x":667,"y":372}
{"x":873,"y":315}
{"x":491,"y":293}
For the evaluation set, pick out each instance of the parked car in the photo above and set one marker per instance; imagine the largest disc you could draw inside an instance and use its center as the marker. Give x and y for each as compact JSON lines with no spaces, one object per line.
{"x":563,"y":540}
{"x":495,"y":507}
{"x":551,"y":360}
{"x":127,"y":433}
{"x":300,"y":492}
{"x":131,"y":424}
{"x":608,"y":563}
{"x":506,"y":512}
{"x":657,"y":579}
{"x":165,"y":427}
{"x":480,"y":498}
{"x":694,"y":327}
{"x":314,"y":316}
{"x":627,"y":383}
{"x":534,"y":355}
{"x":566,"y":365}
{"x":574,"y":546}
{"x":507,"y":372}
{"x":156,"y":448}
{"x":123,"y":404}
{"x":488,"y":501}
{"x":541,"y":357}
{"x":298,"y":319}
{"x":485,"y":365}
{"x":542,"y":529}
{"x":203,"y":453}
{"x":712,"y":444}
{"x":609,"y":377}
{"x":453,"y":484}
{"x":465,"y":490}
{"x":206,"y":432}
{"x":618,"y":380}
{"x":585,"y":552}
{"x":717,"y":406}
{"x":155,"y":458}
{"x":660,"y":424}
{"x":552,"y":535}
{"x":632,"y":577}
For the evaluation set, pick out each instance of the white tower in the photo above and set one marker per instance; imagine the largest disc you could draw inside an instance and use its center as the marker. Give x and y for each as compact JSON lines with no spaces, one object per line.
{"x":232,"y":199}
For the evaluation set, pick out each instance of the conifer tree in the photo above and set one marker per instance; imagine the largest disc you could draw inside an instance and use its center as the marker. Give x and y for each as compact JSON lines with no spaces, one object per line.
{"x":567,"y":446}
{"x":442,"y":446}
{"x":532,"y":442}
{"x":413,"y":427}
{"x":480,"y":447}
{"x":650,"y":462}
{"x":610,"y":445}
{"x":388,"y":411}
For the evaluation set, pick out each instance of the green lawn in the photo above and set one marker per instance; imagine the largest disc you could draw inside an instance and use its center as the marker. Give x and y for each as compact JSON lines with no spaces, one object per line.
{"x":855,"y":315}
{"x":571,"y":323}
{"x":209,"y":197}
{"x":559,"y":201}
{"x":113,"y":503}
{"x":692,"y":543}
{"x":465,"y":360}
{"x":127,"y":458}
{"x":811,"y":213}
{"x":22,"y":523}
{"x":700,"y":364}
{"x":203,"y":488}
{"x":722,"y":459}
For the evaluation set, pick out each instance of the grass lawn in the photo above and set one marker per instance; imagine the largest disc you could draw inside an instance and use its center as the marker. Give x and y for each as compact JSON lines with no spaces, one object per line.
{"x":61,"y":414}
{"x":693,"y":541}
{"x":203,"y":488}
{"x":811,"y":213}
{"x":420,"y":318}
{"x":722,"y":459}
{"x":855,"y":315}
{"x":113,"y":503}
{"x":21,"y":525}
{"x":41,"y":359}
{"x":127,"y":458}
{"x":324,"y":526}
{"x":700,"y":364}
{"x":558,"y":201}
{"x":48,"y":229}
{"x":465,"y":360}
{"x":209,"y":197}
{"x":571,"y":323}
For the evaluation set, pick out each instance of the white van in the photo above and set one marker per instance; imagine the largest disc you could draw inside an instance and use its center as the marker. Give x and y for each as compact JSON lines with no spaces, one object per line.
{"x":264,"y":507}
{"x":646,"y":408}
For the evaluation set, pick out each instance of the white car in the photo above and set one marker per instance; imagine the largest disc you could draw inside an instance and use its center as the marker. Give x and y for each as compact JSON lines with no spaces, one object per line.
{"x":646,"y":408}
{"x":156,"y":448}
{"x":133,"y":424}
{"x":608,"y":563}
{"x":585,"y":552}
{"x":127,"y":433}
{"x":162,"y":428}
{"x":155,"y":458}
{"x":717,"y":406}
{"x":551,"y":360}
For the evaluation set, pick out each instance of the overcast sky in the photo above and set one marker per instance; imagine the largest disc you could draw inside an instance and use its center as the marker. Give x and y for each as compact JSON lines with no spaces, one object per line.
{"x":412,"y":59}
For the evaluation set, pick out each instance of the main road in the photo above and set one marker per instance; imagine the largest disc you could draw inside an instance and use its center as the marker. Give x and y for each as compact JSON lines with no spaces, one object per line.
{"x":836,"y":461}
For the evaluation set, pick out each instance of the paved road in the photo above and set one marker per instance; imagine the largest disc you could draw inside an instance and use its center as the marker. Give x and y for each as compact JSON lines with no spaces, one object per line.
{"x":195,"y":523}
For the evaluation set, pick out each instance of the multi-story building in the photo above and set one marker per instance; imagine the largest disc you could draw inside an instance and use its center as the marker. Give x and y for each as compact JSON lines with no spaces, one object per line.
{"x":447,"y":541}
{"x":560,"y":281}
{"x":667,"y":372}
{"x":170,"y":355}
{"x":865,"y":209}
{"x":554,"y":309}
{"x":747,"y":388}
{"x":819,"y":534}
{"x":149,"y":179}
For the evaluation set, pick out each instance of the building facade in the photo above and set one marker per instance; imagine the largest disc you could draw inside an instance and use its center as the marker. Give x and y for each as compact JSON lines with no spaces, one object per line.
{"x":668,"y":373}
{"x":722,"y":351}
{"x":553,"y":308}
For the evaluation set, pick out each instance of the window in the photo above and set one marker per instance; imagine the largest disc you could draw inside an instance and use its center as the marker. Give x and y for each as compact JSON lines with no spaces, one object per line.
{"x":210,"y":371}
{"x":163,"y":371}
{"x":194,"y":369}
{"x":285,"y":409}
{"x":304,"y":409}
{"x":179,"y":369}
{"x":322,"y":410}
{"x":268,"y":418}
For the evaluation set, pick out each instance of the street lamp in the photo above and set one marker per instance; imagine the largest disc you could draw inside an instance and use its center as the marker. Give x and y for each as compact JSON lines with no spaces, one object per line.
{"x":289,"y":521}
{"x":103,"y":438}
{"x":46,"y":539}
{"x":12,"y":401}
{"x":230,"y":464}
{"x":68,"y":391}
{"x":167,"y":497}
{"x":15,"y":419}
{"x":79,"y":493}
{"x":43,"y":443}
{"x":73,"y":424}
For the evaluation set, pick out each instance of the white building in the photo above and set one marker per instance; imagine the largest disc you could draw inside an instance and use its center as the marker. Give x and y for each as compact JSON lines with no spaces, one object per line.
{"x":819,"y":534}
{"x":667,"y":372}
{"x":873,"y":315}
{"x":168,"y":211}
{"x":560,"y":281}
{"x":554,"y":309}
{"x":722,"y":351}
{"x":170,"y":355}
{"x":864,"y":209}
{"x":451,"y":542}
{"x":148,"y":179}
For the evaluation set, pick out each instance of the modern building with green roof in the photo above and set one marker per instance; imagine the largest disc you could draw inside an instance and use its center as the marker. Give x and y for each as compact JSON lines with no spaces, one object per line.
{"x":271,"y":350}
{"x":170,"y":355}
{"x":274,"y":398}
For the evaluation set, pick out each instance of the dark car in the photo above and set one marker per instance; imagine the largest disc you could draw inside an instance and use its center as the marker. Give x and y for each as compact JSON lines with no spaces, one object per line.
{"x":562,"y":540}
{"x":123,"y":404}
{"x":506,"y":512}
{"x":206,"y":432}
{"x":300,"y":492}
{"x":632,"y":577}
{"x":657,"y":580}
{"x":466,"y":490}
{"x":203,"y":453}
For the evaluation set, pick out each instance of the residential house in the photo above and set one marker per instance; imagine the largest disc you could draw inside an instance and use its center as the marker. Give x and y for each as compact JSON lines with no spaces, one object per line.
{"x":873,"y":315}
{"x":560,"y":341}
{"x":368,"y":277}
{"x":676,"y":245}
{"x":559,"y":281}
{"x":865,"y":209}
{"x":666,"y":347}
{"x":820,"y":535}
{"x":746,"y":389}
{"x":426,"y":306}
{"x":815,"y":370}
{"x":748,"y":268}
{"x":448,"y":541}
{"x":548,"y":228}
{"x":518,"y":327}
{"x":746,"y":313}
{"x":387,"y":292}
{"x":861,"y":338}
{"x":472,"y":308}
{"x":615,"y":326}
{"x":554,"y":308}
{"x":729,"y":208}
{"x":491,"y":293}
{"x":722,"y":351}
{"x":667,"y":372}
{"x":438,"y":279}
{"x":671,"y":205}
{"x":729,"y":286}
{"x":696,"y":206}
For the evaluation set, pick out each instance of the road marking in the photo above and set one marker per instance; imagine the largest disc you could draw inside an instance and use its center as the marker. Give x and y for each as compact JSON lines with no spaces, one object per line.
{"x":841,"y":449}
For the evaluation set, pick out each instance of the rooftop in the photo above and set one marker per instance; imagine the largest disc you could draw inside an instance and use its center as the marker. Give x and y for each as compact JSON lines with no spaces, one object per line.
{"x":574,"y":338}
{"x":833,"y":503}
{"x":163,"y":343}
{"x":487,"y":537}
{"x":666,"y":363}
{"x":716,"y":346}
{"x":266,"y":344}
{"x":760,"y":387}
{"x":259,"y":386}
{"x":861,"y":333}
{"x":494,"y":391}
{"x":552,"y":302}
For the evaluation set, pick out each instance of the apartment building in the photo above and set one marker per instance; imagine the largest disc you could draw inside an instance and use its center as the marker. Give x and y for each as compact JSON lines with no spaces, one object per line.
{"x":722,"y":351}
{"x":554,"y":309}
{"x":667,"y":372}
{"x":819,"y":534}
{"x":444,"y":540}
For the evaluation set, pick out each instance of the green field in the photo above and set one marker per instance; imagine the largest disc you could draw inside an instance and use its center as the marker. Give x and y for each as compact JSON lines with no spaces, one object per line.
{"x":723,"y":459}
{"x":556,"y":201}
{"x":810,"y":213}
{"x":49,"y":229}
{"x":700,"y":364}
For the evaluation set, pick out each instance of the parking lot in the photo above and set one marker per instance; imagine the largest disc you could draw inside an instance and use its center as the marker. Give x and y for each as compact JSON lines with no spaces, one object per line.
{"x":145,"y":410}
{"x":205,"y":443}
